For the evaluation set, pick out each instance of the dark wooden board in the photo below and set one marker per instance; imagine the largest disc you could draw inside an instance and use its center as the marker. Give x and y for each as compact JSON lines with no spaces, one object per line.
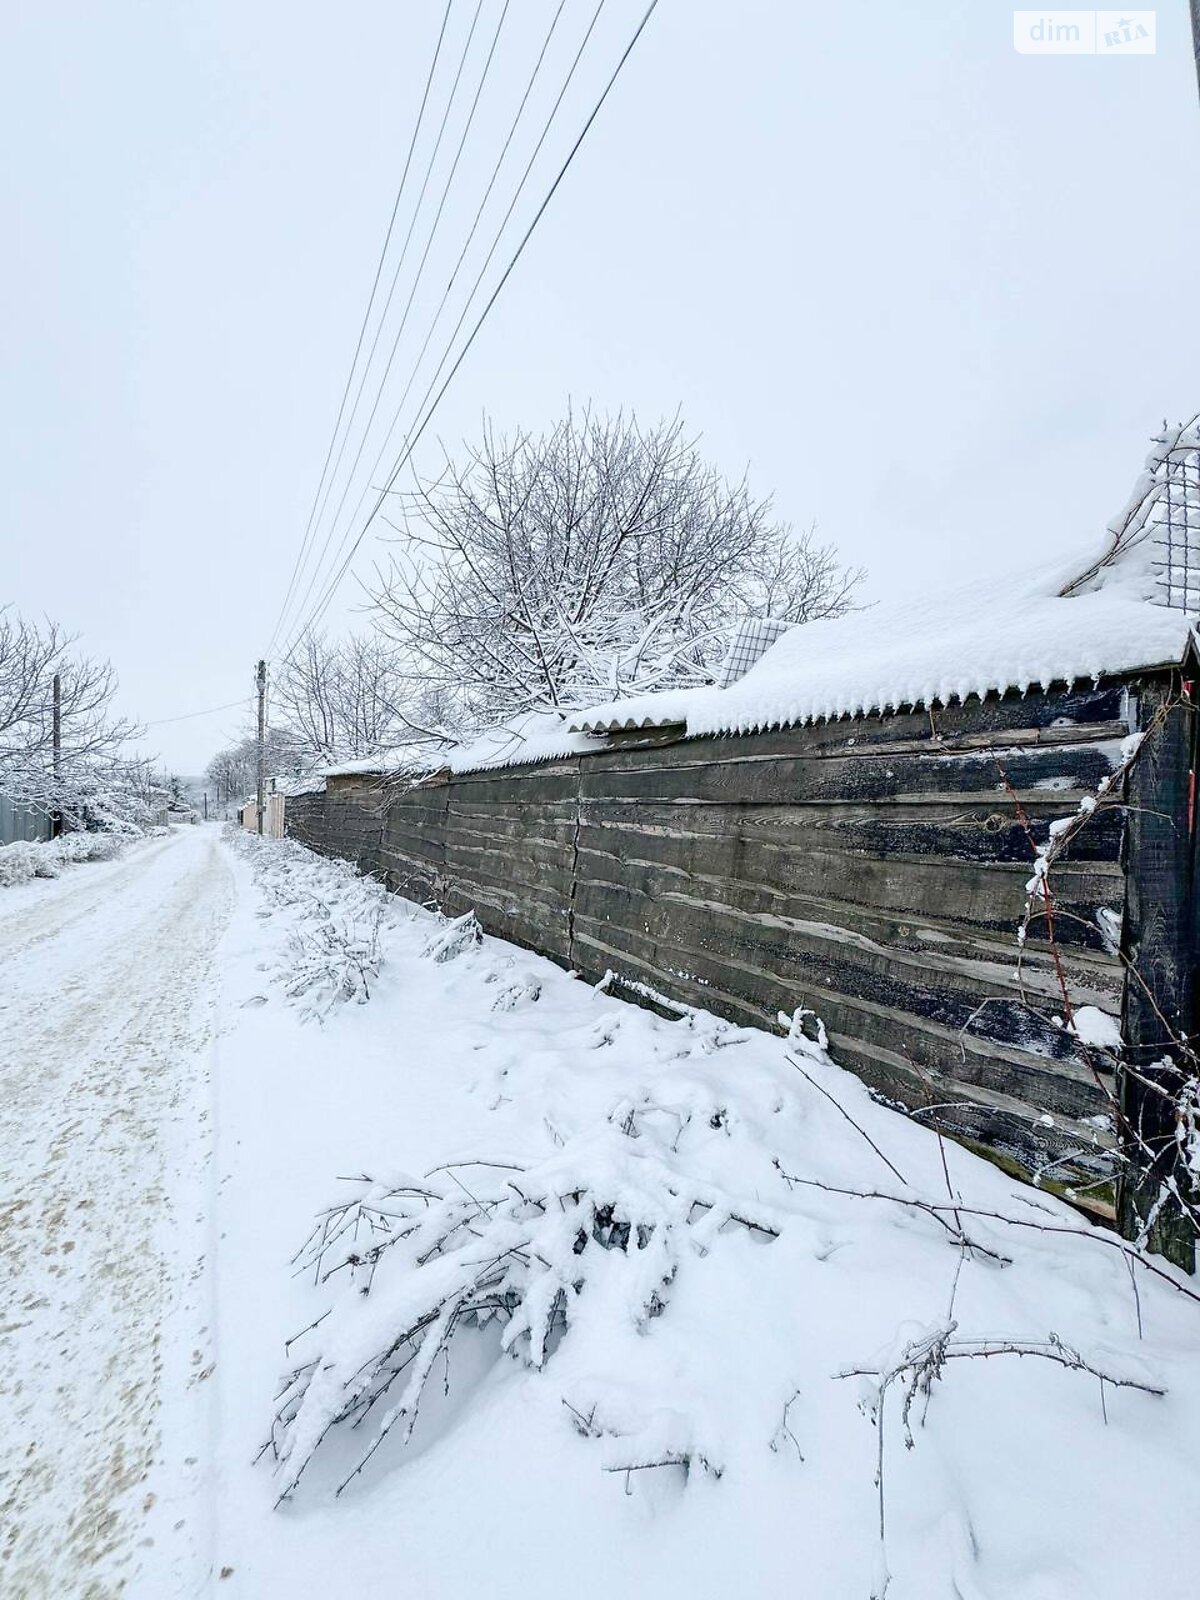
{"x":901,"y":937}
{"x":985,"y":830}
{"x":985,"y":897}
{"x":882,"y":779}
{"x":522,"y":923}
{"x":677,"y":934}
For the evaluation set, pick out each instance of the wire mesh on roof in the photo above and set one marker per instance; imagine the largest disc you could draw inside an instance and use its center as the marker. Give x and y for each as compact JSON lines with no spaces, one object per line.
{"x":1178,"y":536}
{"x":752,"y":638}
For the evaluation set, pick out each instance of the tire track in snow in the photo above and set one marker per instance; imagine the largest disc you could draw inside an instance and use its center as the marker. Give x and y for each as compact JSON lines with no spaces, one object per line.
{"x":103,"y":1102}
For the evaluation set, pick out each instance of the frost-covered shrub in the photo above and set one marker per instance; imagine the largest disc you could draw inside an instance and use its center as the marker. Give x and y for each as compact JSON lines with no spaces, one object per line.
{"x":454,"y":939}
{"x":593,"y":1237}
{"x":24,"y":860}
{"x":17,"y":864}
{"x":92,"y":846}
{"x":332,"y":959}
{"x":332,"y":953}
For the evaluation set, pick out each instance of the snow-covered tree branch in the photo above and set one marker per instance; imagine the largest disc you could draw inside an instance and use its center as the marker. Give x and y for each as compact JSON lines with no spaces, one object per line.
{"x":89,"y":775}
{"x":598,"y":559}
{"x":338,"y":699}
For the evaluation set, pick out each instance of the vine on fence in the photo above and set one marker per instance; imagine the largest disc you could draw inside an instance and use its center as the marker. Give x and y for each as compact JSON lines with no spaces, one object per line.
{"x":1173,"y":1079}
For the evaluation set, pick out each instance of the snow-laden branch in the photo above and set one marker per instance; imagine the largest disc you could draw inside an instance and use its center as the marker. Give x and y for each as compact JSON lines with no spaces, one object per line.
{"x":601,"y":1229}
{"x":601,"y":559}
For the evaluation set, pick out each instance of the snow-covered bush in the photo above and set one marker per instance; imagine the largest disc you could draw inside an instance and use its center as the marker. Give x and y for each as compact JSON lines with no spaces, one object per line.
{"x":19,"y":863}
{"x":332,"y":953}
{"x":332,"y":959}
{"x":94,"y":846}
{"x":455,"y":938}
{"x":22,"y":861}
{"x":596,"y":1235}
{"x":615,"y":1259}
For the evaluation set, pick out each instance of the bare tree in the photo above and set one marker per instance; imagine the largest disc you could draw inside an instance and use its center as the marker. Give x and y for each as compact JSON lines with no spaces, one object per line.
{"x":229,"y":774}
{"x":90,"y":767}
{"x":337,"y":700}
{"x":29,"y":657}
{"x":598,"y":560}
{"x":232,"y":771}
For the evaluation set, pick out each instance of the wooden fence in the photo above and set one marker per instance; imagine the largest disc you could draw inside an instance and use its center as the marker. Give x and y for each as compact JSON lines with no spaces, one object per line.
{"x":872,"y":871}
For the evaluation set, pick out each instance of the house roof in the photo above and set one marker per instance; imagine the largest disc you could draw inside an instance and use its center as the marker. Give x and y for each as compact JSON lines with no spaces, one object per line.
{"x":1020,"y":632}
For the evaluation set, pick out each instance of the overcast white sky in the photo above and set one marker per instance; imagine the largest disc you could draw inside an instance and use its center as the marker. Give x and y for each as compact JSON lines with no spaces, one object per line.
{"x":933,"y":293}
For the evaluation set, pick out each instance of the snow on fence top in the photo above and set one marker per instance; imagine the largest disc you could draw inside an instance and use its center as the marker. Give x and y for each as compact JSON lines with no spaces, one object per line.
{"x":1002,"y":634}
{"x":1022,"y":632}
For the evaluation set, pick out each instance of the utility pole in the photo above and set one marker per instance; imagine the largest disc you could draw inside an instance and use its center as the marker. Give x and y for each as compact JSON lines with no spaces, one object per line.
{"x":56,"y":725}
{"x":260,"y":679}
{"x":206,"y":805}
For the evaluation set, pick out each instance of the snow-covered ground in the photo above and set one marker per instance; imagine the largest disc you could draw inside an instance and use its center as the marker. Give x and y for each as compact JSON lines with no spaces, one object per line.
{"x":106,"y":1022}
{"x":151,"y":997}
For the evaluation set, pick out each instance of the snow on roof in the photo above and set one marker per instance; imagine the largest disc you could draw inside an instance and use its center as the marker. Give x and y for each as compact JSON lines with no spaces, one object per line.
{"x":293,"y":784}
{"x":404,"y":758}
{"x":999,"y":634}
{"x":346,"y":769}
{"x":535,"y":736}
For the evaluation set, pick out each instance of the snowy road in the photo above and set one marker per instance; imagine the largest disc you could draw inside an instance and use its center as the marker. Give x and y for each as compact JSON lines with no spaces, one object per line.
{"x":105,"y":1018}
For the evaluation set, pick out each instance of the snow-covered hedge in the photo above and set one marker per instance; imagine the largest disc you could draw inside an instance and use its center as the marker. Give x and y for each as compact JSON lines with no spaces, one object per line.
{"x":23,"y":861}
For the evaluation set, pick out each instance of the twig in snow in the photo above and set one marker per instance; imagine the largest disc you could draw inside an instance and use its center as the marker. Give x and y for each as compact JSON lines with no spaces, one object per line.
{"x":1093,"y":1235}
{"x":837,"y":1105}
{"x":922,"y":1362}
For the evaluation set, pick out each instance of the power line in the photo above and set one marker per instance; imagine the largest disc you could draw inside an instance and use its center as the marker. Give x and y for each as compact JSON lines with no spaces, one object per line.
{"x":332,"y":530}
{"x":366,"y":433}
{"x":314,"y":577}
{"x":297,"y":567}
{"x":537,"y":67}
{"x":414,"y":438}
{"x":478,"y":277}
{"x":387,"y":305}
{"x":189,"y":715}
{"x":327,"y":595}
